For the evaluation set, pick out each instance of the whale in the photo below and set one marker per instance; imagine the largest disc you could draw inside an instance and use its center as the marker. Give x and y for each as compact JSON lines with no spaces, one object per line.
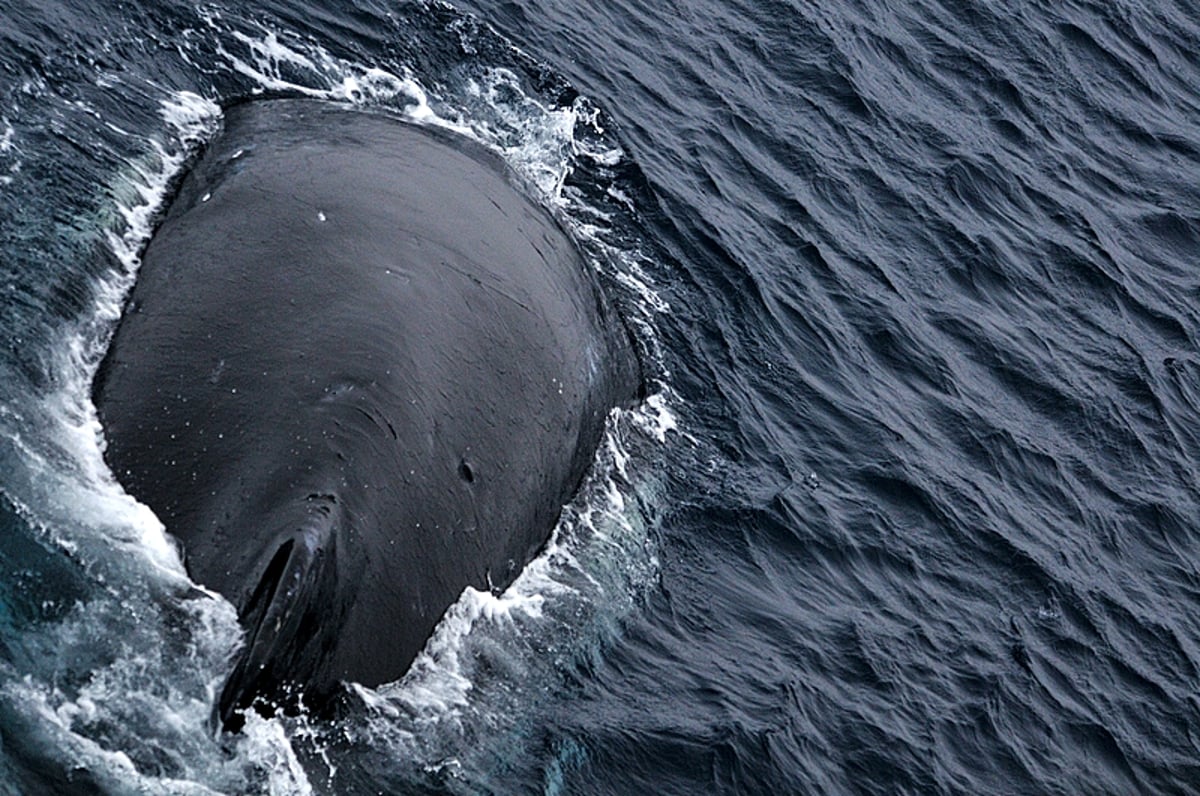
{"x":359,"y":370}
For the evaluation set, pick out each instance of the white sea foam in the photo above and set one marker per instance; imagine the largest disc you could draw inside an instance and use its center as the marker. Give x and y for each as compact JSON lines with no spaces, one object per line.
{"x":264,"y":745}
{"x":535,"y":139}
{"x":151,"y":659}
{"x":88,"y":491}
{"x":47,"y":723}
{"x":307,"y":69}
{"x":136,"y":688}
{"x":8,"y":153}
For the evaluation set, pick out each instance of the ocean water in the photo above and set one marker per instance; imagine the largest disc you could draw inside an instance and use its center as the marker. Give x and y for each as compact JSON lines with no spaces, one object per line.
{"x":912,"y":506}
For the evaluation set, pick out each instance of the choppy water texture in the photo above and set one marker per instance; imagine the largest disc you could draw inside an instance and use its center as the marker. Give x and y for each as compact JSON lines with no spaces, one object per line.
{"x":914,"y":508}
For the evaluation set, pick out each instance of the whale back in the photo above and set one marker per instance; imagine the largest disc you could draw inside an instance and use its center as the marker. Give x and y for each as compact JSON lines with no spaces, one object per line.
{"x":359,"y":371}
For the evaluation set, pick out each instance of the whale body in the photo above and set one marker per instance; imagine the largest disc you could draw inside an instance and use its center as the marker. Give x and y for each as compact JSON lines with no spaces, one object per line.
{"x":359,"y":371}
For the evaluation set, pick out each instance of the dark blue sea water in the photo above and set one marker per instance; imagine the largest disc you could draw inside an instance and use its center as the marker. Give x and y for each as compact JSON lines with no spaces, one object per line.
{"x":913,"y":506}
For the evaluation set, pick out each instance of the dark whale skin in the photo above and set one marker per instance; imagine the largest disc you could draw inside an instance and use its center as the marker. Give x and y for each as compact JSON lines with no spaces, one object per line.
{"x":359,"y":371}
